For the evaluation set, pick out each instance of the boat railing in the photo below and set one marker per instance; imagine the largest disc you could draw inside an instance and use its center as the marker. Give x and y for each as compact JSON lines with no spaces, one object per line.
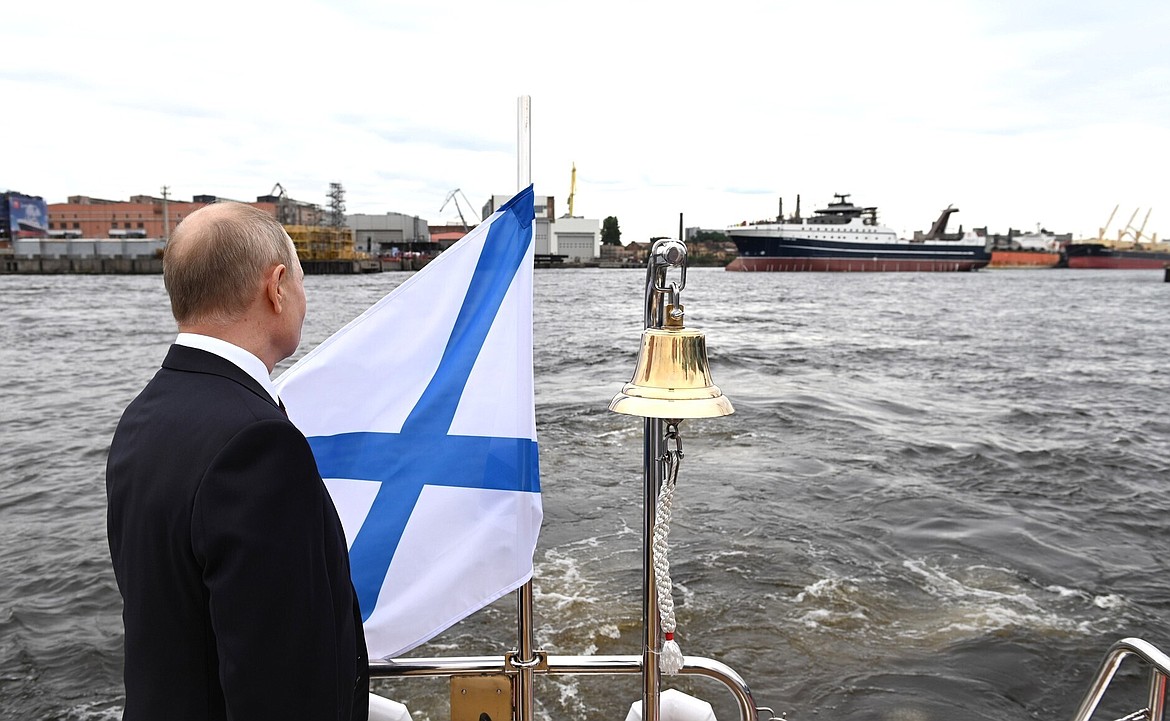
{"x":1159,"y":670}
{"x":509,"y":667}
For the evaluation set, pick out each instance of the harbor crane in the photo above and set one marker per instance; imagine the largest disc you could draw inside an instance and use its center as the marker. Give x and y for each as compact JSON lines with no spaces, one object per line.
{"x":1128,"y":226}
{"x":1129,"y":233}
{"x":1101,"y":232}
{"x":1138,"y":233}
{"x":452,"y":197}
{"x":284,"y":211}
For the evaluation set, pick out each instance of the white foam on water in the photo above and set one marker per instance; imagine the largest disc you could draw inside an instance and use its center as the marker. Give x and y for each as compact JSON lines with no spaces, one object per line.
{"x":609,"y":630}
{"x":835,"y":604}
{"x":88,"y":712}
{"x":1063,"y":592}
{"x":560,"y":583}
{"x":960,"y":602}
{"x":819,"y":589}
{"x":825,"y":618}
{"x":569,"y":697}
{"x":982,"y":599}
{"x":1110,"y":601}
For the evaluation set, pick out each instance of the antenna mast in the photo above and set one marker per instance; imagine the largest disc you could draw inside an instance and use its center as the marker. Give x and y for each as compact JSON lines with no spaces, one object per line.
{"x":572,"y":189}
{"x":166,"y":189}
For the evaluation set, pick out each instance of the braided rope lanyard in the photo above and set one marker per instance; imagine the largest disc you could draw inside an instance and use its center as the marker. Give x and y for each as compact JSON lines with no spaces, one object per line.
{"x":671,"y":658}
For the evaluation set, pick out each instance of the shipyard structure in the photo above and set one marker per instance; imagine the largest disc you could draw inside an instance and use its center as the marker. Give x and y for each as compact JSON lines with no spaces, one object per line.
{"x":95,"y":235}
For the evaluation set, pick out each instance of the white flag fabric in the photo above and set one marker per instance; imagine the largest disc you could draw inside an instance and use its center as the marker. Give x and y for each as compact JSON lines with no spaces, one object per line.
{"x":421,"y":418}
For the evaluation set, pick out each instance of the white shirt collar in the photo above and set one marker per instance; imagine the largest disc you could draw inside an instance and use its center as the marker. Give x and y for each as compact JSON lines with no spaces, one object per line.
{"x":239,"y":357}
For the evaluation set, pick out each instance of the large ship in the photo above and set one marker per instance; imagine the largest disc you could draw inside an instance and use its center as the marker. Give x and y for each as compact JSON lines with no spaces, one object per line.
{"x":847,"y":237}
{"x":1133,"y":249}
{"x":1118,"y":257}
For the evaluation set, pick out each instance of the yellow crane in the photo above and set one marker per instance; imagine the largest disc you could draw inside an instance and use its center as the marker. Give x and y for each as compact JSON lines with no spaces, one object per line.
{"x":1136,"y":234}
{"x":1101,"y":231}
{"x":1129,"y":235}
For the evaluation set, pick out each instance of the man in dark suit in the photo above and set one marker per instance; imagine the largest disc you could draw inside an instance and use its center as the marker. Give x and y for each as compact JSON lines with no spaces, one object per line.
{"x":228,"y":551}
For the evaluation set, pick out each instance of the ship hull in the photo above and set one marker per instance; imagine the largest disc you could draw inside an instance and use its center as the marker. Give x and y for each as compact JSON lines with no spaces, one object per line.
{"x":1023,"y":259}
{"x":772,"y":254}
{"x":852,"y":265}
{"x":1095,"y":256}
{"x":1119,"y":263}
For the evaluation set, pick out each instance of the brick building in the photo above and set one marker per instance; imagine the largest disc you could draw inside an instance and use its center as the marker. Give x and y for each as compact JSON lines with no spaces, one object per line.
{"x":144,"y":216}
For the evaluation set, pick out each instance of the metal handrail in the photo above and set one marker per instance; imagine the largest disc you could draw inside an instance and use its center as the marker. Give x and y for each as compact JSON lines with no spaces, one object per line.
{"x":552,"y":665}
{"x":1159,"y":664}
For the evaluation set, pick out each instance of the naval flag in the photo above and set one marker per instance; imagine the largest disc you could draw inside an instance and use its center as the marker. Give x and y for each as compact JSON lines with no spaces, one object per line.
{"x":420,"y":414}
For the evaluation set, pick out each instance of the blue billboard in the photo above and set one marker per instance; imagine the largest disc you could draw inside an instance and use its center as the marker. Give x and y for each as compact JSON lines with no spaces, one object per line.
{"x":27,"y":216}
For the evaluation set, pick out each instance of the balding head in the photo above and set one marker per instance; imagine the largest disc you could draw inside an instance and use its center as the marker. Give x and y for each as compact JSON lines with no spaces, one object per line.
{"x":215,"y":262}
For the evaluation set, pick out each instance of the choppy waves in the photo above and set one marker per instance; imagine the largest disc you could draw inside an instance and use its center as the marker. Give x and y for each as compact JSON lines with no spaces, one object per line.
{"x":941,"y":495}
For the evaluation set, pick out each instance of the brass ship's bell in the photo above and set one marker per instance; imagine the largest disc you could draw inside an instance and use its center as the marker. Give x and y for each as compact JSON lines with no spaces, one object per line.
{"x":672,"y":378}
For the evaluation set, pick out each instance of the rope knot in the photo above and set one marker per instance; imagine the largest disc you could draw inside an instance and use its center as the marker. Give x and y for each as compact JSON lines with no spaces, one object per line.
{"x":671,"y":658}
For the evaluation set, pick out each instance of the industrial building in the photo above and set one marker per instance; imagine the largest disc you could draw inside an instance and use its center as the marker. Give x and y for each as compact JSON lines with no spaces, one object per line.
{"x":145,"y":216}
{"x":576,"y":240}
{"x":95,"y":235}
{"x":390,"y":234}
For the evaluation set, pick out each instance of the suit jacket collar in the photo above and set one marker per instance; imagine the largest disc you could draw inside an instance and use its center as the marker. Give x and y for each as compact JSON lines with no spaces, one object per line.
{"x":195,"y":360}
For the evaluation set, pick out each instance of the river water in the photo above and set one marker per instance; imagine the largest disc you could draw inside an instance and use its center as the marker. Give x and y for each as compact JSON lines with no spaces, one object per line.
{"x":942,"y":496}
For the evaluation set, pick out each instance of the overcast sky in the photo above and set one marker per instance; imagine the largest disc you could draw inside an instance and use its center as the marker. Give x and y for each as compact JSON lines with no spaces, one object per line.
{"x":1017,"y":112}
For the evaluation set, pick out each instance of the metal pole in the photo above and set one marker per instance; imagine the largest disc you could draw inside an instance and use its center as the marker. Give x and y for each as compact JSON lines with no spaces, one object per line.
{"x":524,"y":142}
{"x":525,"y":701}
{"x":1157,"y":695}
{"x":663,"y":255}
{"x":651,"y":677}
{"x":166,"y":216}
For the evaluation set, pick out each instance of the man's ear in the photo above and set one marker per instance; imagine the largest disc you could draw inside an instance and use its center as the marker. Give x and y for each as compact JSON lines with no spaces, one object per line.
{"x":273,"y":290}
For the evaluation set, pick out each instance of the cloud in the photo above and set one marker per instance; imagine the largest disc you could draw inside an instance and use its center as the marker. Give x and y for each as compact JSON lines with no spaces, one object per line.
{"x":404,"y":133}
{"x":1015,"y":112}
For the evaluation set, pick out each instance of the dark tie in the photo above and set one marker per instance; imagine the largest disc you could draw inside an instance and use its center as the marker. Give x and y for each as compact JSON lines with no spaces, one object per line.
{"x":280,"y":404}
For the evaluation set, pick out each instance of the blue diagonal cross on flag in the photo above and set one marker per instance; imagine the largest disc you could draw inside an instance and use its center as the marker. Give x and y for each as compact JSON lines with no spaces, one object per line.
{"x":420,"y":414}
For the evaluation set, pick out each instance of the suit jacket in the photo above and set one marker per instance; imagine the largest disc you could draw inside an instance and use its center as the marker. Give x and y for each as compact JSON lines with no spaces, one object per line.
{"x":229,"y":555}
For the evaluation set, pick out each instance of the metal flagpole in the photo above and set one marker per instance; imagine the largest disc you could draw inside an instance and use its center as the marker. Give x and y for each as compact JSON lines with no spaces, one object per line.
{"x":523,"y":142}
{"x":525,"y":657}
